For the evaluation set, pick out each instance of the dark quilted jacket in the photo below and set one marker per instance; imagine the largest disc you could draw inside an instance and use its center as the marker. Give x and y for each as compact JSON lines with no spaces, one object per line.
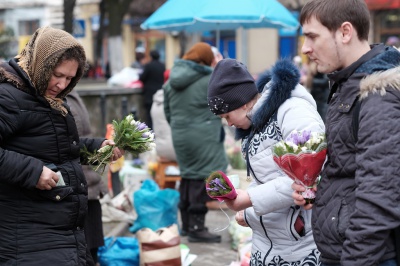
{"x":357,"y":204}
{"x":39,"y":227}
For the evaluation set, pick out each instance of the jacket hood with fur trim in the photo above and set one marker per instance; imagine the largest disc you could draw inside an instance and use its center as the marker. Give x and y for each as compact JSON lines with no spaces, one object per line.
{"x":277,"y":85}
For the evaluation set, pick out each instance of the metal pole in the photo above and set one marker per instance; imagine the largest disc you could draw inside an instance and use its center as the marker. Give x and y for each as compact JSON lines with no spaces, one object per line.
{"x":243,"y":39}
{"x":124,"y":106}
{"x":103,"y":111}
{"x":218,"y":33}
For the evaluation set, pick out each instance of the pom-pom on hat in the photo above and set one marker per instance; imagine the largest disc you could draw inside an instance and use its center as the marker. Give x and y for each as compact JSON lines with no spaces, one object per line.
{"x":230,"y":87}
{"x":200,"y":53}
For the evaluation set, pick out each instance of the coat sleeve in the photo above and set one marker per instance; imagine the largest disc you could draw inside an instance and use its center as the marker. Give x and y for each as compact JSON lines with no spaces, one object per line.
{"x":377,"y":178}
{"x":15,"y":168}
{"x":91,"y":145}
{"x":145,"y":74}
{"x":294,"y":114}
{"x":299,"y":114}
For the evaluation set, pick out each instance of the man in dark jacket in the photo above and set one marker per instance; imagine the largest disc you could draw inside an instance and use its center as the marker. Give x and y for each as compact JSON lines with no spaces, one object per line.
{"x":153,"y":79}
{"x":357,"y":204}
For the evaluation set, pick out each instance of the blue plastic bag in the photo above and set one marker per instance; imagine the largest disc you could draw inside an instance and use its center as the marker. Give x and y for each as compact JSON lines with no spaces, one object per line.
{"x":119,"y":251}
{"x":155,"y":207}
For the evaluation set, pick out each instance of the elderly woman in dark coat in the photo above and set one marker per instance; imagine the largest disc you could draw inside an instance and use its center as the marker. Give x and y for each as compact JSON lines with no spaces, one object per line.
{"x":43,"y":191}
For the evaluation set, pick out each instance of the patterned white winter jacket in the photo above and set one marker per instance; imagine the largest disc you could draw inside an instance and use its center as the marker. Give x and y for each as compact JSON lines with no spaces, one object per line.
{"x":272,"y":217}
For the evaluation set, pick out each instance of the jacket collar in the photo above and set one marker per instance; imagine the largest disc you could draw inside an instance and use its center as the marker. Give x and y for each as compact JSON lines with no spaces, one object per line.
{"x":344,"y":74}
{"x":379,"y":59}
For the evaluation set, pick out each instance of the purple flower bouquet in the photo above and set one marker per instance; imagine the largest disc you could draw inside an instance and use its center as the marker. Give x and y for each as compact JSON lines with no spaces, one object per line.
{"x":301,"y":156}
{"x":218,"y":186}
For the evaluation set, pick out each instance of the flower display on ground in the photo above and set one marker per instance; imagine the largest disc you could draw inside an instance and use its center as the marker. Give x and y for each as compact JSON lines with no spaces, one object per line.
{"x":233,"y":151}
{"x":218,"y":186}
{"x":130,"y":135}
{"x":301,"y":156}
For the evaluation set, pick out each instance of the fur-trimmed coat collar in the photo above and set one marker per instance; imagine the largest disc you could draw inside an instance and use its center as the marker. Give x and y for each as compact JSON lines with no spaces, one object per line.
{"x":376,"y":69}
{"x":278,"y":83}
{"x":379,"y":81}
{"x":11,"y":73}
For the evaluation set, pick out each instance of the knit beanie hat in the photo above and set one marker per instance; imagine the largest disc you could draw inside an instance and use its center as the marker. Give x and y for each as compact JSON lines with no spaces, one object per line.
{"x":230,"y":87}
{"x":200,"y":53}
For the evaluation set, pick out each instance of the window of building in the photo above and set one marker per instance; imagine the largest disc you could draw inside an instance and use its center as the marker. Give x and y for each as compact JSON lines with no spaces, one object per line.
{"x":28,"y":27}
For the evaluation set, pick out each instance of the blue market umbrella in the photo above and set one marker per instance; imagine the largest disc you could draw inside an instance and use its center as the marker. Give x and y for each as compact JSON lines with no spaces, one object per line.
{"x":208,"y":15}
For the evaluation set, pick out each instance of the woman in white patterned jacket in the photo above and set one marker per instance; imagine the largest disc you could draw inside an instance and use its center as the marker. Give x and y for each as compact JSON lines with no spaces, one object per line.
{"x":264,"y":114}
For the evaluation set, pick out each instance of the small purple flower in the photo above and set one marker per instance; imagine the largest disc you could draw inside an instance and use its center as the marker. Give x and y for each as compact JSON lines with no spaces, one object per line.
{"x":218,"y":183}
{"x":212,"y":189}
{"x":145,"y":135}
{"x":293,"y":137}
{"x":305,"y":136}
{"x":299,"y":138}
{"x":141,"y":126}
{"x":137,"y":161}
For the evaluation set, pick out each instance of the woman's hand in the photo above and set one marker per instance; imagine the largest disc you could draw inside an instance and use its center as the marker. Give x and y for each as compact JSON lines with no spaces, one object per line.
{"x":47,"y":180}
{"x":117,"y":152}
{"x":239,"y":217}
{"x":241,"y":202}
{"x":298,"y":198}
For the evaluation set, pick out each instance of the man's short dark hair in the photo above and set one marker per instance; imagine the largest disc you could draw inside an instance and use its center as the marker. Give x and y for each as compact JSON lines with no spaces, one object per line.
{"x":333,"y":13}
{"x":155,"y":54}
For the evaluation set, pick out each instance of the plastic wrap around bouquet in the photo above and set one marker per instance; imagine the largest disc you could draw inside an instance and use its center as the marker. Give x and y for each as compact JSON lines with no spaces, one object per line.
{"x":218,"y":186}
{"x":130,"y":135}
{"x":301,"y":156}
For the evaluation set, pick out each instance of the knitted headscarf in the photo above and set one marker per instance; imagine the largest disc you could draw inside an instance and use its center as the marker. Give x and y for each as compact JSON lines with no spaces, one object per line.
{"x":43,"y":54}
{"x":200,"y":53}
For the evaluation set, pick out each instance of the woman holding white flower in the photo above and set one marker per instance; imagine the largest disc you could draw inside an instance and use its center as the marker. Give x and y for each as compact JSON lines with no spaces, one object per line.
{"x":43,"y":191}
{"x":281,"y":231}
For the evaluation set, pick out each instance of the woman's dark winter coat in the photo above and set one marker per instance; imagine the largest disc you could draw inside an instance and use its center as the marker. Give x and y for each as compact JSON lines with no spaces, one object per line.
{"x":39,"y":226}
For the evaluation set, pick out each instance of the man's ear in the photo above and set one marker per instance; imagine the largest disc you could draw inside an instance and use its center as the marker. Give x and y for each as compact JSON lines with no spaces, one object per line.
{"x":347,"y":31}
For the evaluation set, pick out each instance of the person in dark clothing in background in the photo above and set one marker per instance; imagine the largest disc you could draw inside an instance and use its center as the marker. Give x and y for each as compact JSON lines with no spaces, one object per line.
{"x":153,"y":79}
{"x":318,"y":84}
{"x":320,"y":93}
{"x":96,"y":187}
{"x":140,"y":57}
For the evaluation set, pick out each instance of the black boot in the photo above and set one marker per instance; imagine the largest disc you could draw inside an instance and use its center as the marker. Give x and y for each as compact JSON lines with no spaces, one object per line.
{"x":185,"y":222}
{"x":198,"y":232}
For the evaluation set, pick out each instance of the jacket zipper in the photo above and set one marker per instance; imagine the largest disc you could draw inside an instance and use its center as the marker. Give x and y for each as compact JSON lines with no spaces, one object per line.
{"x":291,"y":222}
